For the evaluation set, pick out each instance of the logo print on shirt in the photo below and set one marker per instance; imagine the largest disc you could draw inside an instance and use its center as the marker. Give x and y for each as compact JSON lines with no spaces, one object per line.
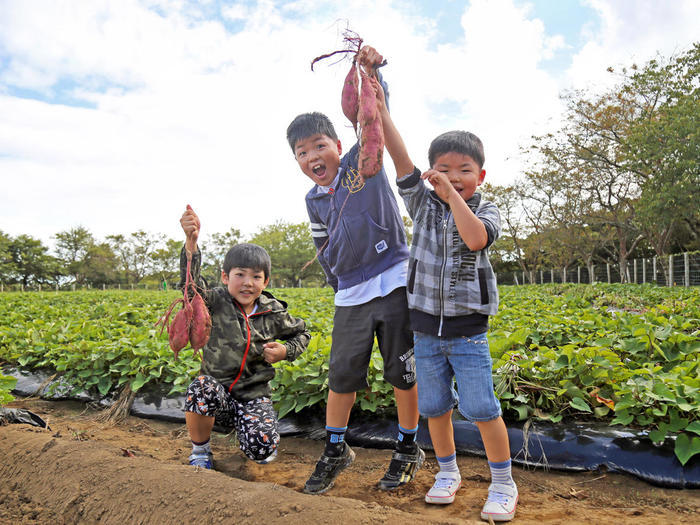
{"x":381,"y":246}
{"x":354,"y":181}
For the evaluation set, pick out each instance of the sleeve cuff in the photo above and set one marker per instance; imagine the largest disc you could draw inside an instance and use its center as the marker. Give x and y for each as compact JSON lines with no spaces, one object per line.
{"x":409,"y":180}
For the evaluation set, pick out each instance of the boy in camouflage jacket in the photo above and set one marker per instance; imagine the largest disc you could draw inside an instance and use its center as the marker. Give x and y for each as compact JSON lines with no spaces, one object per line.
{"x":233,"y":388}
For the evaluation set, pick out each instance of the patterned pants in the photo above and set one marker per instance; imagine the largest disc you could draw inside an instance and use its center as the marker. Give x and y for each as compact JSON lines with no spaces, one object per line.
{"x":255,"y":421}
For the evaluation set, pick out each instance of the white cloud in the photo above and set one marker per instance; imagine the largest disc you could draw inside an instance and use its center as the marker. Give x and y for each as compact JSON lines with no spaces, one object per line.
{"x":632,"y":32}
{"x":184,"y":111}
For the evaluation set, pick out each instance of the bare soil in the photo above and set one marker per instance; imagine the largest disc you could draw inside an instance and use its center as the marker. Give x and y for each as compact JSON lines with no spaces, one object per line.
{"x":86,"y":471}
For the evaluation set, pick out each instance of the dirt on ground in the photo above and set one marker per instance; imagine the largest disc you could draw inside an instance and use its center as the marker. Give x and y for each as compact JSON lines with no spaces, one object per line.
{"x":83,"y":470}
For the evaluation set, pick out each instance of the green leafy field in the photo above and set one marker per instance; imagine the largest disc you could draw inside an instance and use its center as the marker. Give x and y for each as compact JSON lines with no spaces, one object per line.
{"x":620,"y":354}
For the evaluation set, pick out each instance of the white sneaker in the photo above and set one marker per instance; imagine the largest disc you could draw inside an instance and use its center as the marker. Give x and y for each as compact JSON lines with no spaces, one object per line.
{"x":444,"y":489}
{"x":501,"y":503}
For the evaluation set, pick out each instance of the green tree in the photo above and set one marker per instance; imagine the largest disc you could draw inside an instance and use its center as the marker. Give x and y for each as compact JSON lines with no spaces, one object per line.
{"x":72,"y":248}
{"x":664,"y":145}
{"x":214,"y":249}
{"x":32,"y":262}
{"x":101,"y":265}
{"x":290,"y":247}
{"x":7,"y":265}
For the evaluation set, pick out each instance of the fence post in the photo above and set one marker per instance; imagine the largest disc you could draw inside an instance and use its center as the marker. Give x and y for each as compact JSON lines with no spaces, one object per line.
{"x":103,"y":287}
{"x":608,"y":268}
{"x":686,"y":265}
{"x":515,"y":277}
{"x":653,"y":269}
{"x":563,"y":275}
{"x":670,"y":270}
{"x":523,"y":277}
{"x":578,"y":275}
{"x":541,"y":276}
{"x":644,"y":270}
{"x":39,"y":286}
{"x":119,"y":286}
{"x":634,"y":263}
{"x":56,"y":287}
{"x":21,"y":287}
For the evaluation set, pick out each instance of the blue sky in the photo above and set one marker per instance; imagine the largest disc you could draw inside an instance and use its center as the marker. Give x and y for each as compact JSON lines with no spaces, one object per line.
{"x":114,"y":115}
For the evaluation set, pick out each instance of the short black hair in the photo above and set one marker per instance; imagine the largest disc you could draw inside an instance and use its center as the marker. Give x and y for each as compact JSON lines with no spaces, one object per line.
{"x":308,"y":124}
{"x":462,"y":142}
{"x":247,"y":255}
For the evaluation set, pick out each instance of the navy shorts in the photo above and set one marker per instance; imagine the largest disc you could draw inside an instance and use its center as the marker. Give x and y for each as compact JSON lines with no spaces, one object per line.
{"x":354,"y":330}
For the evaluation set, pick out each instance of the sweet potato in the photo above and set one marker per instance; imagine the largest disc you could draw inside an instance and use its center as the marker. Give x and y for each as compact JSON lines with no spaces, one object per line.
{"x":179,"y":329}
{"x":192,"y":323}
{"x":367,"y":111}
{"x":350,"y":98}
{"x":371,"y":149}
{"x":201,"y":323}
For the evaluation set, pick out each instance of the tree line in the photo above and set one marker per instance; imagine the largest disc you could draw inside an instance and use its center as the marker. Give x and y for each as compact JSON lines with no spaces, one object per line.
{"x":78,"y":258}
{"x":619,"y":178}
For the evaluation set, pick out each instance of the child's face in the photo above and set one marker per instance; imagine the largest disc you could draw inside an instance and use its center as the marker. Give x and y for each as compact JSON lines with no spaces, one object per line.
{"x":245,"y":285}
{"x":462,"y":171}
{"x":318,"y":157}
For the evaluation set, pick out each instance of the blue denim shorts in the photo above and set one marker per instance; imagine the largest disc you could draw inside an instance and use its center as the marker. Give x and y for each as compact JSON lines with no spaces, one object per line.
{"x":440,"y":361}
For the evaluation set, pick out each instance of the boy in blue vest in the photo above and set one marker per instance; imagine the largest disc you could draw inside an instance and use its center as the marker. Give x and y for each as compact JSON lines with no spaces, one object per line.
{"x":451,"y":294}
{"x":358,"y":231}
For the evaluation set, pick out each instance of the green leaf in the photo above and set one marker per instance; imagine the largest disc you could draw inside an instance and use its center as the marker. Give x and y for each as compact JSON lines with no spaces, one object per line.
{"x":686,"y":447}
{"x":138,"y":382}
{"x":580,"y":404}
{"x":657,"y":436}
{"x":693,"y":427}
{"x":104,"y":385}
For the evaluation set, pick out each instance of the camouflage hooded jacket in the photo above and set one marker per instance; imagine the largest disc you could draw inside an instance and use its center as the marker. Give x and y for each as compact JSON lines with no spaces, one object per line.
{"x":236,"y":337}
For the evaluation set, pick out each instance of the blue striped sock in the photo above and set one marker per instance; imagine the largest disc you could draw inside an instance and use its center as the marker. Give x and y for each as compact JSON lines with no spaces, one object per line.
{"x":406,"y":439}
{"x":501,"y":472}
{"x":335,"y":439}
{"x":448,"y":463}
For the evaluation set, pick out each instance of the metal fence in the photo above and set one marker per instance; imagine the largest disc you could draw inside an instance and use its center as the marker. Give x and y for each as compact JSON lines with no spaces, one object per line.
{"x":675,"y":270}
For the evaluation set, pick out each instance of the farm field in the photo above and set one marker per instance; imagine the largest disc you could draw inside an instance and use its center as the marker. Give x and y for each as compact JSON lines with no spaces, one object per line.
{"x":618,"y":354}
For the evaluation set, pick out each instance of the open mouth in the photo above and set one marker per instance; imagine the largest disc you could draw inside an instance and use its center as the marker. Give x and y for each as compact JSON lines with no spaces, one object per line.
{"x":319,"y":170}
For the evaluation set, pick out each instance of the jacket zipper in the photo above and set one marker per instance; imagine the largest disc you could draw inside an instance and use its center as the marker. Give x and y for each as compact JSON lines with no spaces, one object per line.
{"x":247,"y":345}
{"x":442,"y":270}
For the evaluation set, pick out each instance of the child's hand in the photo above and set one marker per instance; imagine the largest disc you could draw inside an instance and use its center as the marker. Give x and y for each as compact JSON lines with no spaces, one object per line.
{"x":381,"y":98}
{"x":274,"y":352}
{"x":441,"y":184}
{"x":190,"y":225}
{"x":369,"y":59}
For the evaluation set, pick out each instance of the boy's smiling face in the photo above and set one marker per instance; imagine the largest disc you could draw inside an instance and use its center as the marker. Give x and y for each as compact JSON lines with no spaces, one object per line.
{"x":245,"y":285}
{"x":318,"y":157}
{"x":462,"y":171}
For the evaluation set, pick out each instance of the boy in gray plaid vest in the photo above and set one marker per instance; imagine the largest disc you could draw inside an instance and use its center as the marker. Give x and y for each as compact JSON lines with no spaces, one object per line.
{"x":451,"y":294}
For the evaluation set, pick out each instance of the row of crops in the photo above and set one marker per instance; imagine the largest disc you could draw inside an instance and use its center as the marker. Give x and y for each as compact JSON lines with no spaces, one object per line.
{"x":621,"y":354}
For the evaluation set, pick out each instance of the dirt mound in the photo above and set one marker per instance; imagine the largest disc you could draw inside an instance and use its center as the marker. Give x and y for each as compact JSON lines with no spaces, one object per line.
{"x":84,"y":471}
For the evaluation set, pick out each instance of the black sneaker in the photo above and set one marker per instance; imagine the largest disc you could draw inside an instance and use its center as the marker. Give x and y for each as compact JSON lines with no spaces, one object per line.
{"x":327,"y":469}
{"x":402,"y":469}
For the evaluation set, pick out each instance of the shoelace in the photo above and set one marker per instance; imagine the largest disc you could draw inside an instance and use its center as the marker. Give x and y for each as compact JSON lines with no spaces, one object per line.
{"x":498,"y":497}
{"x":444,"y":483}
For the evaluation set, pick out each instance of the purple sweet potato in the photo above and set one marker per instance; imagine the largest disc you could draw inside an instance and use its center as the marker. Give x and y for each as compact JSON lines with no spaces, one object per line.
{"x":368,"y":101}
{"x":179,"y":329}
{"x":371,"y":149}
{"x":350,"y":98}
{"x":201,"y":323}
